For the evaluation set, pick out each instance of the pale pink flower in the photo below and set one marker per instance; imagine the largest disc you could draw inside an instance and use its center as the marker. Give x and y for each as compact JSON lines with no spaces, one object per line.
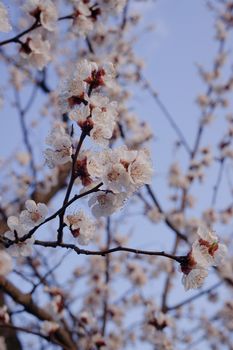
{"x":43,"y":10}
{"x":62,"y":147}
{"x":21,"y":248}
{"x":115,"y":177}
{"x":195,"y":278}
{"x":82,"y":23}
{"x":140,"y":169}
{"x":36,"y":51}
{"x":105,"y":204}
{"x":15,"y":224}
{"x":71,"y":94}
{"x":18,"y":230}
{"x":34,"y":214}
{"x":84,"y":69}
{"x":81,"y":227}
{"x":207,"y":250}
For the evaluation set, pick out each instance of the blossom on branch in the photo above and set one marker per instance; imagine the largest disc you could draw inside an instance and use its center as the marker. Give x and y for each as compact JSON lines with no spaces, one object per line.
{"x":36,"y":51}
{"x":61,"y":150}
{"x":44,"y":11}
{"x":34,"y":214}
{"x":18,"y":230}
{"x":105,"y":204}
{"x":81,"y":227}
{"x":205,"y":252}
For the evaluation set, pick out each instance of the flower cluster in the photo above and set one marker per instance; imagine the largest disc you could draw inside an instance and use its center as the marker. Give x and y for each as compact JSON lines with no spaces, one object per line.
{"x":36,"y":51}
{"x":86,"y":13}
{"x":19,"y":226}
{"x":80,"y":226}
{"x":80,"y":97}
{"x":206,"y":251}
{"x":121,"y":171}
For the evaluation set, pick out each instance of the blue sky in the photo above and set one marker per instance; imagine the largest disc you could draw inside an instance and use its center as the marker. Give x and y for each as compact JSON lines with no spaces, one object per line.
{"x":183,"y":37}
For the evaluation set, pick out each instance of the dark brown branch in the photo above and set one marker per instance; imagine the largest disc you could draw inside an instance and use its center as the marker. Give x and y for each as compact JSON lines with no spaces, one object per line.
{"x":70,"y":186}
{"x":107,"y":277}
{"x":25,"y":330}
{"x":34,"y":26}
{"x":80,"y":251}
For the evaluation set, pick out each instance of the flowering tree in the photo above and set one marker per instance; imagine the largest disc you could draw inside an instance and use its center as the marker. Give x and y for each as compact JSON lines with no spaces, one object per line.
{"x":74,"y":272}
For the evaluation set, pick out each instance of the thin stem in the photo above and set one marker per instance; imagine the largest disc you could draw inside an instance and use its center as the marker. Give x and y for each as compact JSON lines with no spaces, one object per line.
{"x":107,"y":277}
{"x":70,"y":186}
{"x":167,"y":114}
{"x":197,"y":296}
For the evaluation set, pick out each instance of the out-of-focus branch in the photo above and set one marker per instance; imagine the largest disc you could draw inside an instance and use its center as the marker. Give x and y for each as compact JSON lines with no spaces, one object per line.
{"x":167,"y":221}
{"x":26,"y":300}
{"x":107,"y":277}
{"x":218,"y":182}
{"x":22,"y":114}
{"x":166,"y":113}
{"x":197,"y":296}
{"x":169,"y":276}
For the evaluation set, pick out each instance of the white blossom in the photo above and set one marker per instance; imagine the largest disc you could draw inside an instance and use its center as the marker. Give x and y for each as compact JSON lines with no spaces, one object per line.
{"x":195,"y":278}
{"x":140,"y":169}
{"x":5,"y":25}
{"x":15,"y":224}
{"x":18,"y":230}
{"x":84,"y":69}
{"x":43,"y":10}
{"x":34,"y":214}
{"x":207,"y":250}
{"x":62,"y":147}
{"x":105,"y":204}
{"x":6,"y":264}
{"x":82,"y":23}
{"x":81,"y":226}
{"x":36,"y":51}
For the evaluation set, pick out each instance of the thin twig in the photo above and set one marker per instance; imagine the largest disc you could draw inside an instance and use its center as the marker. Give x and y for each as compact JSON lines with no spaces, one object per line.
{"x":79,"y":251}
